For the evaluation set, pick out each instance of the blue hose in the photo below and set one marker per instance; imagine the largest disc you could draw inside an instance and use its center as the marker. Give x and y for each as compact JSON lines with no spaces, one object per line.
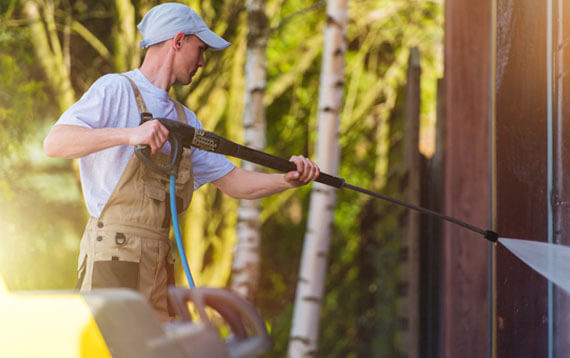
{"x":177,"y":232}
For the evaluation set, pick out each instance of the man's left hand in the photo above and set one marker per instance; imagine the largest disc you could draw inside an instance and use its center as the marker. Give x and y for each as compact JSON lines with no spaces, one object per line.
{"x":306,"y":171}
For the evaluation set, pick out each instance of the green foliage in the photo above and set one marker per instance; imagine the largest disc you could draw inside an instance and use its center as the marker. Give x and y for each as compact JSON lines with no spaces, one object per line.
{"x":20,"y":101}
{"x":22,"y":96}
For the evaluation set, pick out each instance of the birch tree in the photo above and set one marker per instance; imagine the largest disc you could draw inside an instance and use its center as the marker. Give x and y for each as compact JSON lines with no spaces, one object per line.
{"x":310,"y":286}
{"x":245,"y":270}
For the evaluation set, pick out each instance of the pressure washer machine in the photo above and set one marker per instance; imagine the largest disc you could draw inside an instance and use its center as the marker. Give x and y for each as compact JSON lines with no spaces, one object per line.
{"x":120,"y":323}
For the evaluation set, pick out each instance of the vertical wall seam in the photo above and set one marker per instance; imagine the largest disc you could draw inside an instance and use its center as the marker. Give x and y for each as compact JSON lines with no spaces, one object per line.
{"x":549,"y":155}
{"x":492,"y":341}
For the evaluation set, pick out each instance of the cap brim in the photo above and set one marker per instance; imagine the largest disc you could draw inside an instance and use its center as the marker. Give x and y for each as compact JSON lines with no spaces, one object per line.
{"x":214,"y":42}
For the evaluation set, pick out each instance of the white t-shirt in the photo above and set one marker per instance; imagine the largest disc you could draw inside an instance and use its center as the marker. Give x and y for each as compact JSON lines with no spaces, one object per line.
{"x":110,"y":103}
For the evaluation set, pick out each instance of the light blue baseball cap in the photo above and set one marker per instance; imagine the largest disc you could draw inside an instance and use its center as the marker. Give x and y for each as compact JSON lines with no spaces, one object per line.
{"x":164,"y":21}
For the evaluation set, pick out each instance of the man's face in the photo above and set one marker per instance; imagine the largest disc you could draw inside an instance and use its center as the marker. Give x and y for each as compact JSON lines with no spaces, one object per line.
{"x":189,"y":59}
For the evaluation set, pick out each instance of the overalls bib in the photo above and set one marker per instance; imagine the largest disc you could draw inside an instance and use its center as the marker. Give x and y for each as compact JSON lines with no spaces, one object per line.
{"x":129,"y":245}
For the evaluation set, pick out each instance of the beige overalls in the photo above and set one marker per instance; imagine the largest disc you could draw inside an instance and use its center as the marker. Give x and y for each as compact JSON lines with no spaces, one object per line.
{"x":129,"y":245}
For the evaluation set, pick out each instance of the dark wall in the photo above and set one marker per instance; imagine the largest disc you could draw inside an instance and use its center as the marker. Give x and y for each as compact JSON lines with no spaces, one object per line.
{"x":521,"y":142}
{"x":521,"y":198}
{"x":467,"y":191}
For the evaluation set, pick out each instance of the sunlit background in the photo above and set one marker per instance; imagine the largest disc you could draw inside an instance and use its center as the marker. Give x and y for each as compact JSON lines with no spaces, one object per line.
{"x":52,"y":51}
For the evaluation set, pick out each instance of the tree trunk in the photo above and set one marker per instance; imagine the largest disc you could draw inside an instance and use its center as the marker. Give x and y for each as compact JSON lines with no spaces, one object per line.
{"x":410,"y":246}
{"x":49,"y":50}
{"x":310,"y":287}
{"x":245,"y":270}
{"x":125,"y":46}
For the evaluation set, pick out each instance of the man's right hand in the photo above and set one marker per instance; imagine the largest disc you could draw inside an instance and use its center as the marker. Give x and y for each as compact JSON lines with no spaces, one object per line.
{"x":151,"y":133}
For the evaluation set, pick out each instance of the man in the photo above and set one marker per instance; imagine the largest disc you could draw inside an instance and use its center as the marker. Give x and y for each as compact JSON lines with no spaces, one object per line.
{"x":126,"y":241}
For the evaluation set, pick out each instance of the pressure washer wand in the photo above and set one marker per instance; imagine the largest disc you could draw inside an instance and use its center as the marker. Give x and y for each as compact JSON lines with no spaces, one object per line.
{"x":186,"y":136}
{"x":488,"y":234}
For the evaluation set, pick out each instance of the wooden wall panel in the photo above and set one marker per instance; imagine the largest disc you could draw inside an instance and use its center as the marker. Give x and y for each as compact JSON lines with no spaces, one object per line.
{"x":466,"y":258}
{"x":521,"y":112}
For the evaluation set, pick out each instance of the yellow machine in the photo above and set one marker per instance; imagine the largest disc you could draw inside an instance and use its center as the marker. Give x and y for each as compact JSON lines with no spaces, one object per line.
{"x":120,"y":323}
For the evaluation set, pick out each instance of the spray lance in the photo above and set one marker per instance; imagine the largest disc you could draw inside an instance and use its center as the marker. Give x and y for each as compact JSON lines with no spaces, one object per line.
{"x":183,"y":135}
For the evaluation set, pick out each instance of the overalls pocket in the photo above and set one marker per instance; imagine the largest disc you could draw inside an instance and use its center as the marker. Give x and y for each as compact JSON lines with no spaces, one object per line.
{"x":116,"y":260}
{"x":157,"y":186}
{"x":185,"y":169}
{"x":185,"y":181}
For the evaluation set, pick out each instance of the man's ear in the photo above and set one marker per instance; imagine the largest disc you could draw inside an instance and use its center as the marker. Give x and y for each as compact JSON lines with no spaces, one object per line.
{"x":177,"y":40}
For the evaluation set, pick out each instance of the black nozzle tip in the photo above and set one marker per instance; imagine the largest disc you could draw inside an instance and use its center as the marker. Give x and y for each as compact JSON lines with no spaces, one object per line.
{"x":491,"y":236}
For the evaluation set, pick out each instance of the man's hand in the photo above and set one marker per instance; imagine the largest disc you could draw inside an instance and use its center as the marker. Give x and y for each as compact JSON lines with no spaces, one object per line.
{"x":306,"y":171}
{"x":245,"y":184}
{"x":151,"y":133}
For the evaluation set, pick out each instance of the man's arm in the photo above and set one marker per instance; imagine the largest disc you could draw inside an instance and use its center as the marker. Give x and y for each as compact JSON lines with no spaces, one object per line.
{"x":245,"y":184}
{"x":70,"y":141}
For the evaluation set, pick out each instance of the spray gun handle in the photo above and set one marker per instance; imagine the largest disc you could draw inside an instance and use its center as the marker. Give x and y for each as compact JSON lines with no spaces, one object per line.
{"x":142,"y":151}
{"x":214,"y":143}
{"x":187,"y":136}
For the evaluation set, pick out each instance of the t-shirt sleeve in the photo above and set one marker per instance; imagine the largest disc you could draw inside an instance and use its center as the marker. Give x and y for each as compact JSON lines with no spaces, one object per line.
{"x":207,"y":166}
{"x":101,"y":105}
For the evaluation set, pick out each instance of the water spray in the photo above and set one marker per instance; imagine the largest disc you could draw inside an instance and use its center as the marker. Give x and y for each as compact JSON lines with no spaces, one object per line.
{"x":183,"y":135}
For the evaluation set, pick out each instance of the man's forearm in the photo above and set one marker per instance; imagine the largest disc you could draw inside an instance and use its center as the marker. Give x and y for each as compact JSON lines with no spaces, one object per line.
{"x":244,"y":184}
{"x":69,"y":141}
